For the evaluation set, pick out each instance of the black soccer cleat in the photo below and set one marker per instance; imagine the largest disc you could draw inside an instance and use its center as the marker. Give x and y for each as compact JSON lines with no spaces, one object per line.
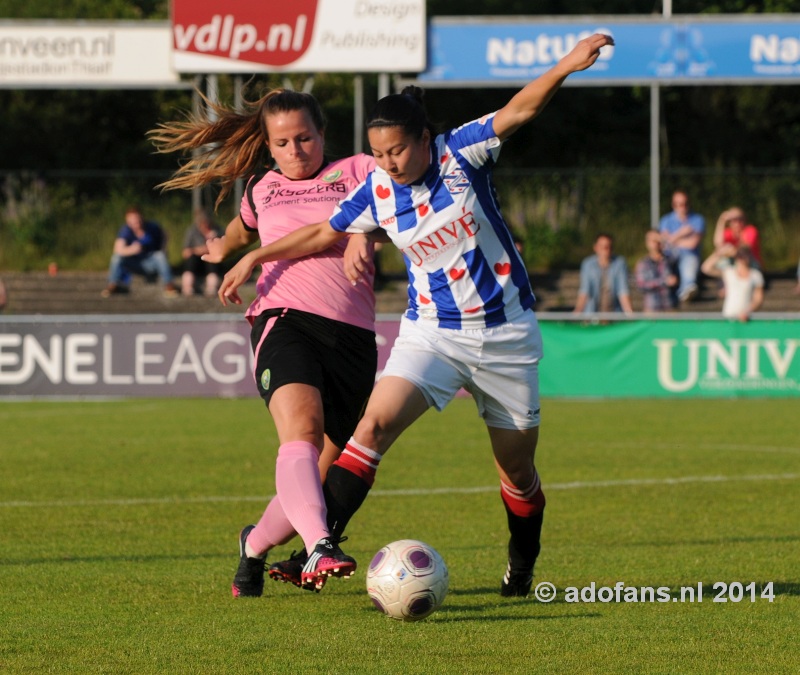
{"x":326,"y":560}
{"x":516,"y":582}
{"x":290,"y":571}
{"x":249,"y":579}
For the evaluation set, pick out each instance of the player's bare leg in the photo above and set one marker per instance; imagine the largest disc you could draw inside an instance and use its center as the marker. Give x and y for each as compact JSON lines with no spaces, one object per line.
{"x":394,"y":404}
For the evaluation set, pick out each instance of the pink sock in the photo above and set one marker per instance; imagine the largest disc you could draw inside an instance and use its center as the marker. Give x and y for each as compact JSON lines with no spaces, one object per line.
{"x":300,"y":491}
{"x":274,"y":529}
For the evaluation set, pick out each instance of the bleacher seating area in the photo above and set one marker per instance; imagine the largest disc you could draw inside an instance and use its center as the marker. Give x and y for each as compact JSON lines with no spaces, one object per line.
{"x":73,"y":293}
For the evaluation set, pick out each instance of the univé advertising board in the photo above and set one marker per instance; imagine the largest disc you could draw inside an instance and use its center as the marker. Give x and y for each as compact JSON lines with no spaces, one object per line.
{"x":240,"y":36}
{"x":688,"y":356}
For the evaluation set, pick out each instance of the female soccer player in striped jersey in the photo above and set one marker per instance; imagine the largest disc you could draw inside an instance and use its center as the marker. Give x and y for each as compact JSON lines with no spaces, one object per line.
{"x":469,"y":321}
{"x":313,"y":332}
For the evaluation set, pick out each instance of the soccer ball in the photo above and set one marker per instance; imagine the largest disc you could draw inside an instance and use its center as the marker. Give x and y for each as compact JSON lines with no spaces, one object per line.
{"x":407,"y":580}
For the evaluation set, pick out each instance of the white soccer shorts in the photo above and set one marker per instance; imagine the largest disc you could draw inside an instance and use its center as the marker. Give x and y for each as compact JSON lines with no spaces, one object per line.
{"x":499,"y":366}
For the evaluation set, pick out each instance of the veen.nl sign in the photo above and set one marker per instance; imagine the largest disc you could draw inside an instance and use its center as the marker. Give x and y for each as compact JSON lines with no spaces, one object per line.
{"x":240,"y":36}
{"x":689,"y":49}
{"x":97,"y":54}
{"x":191,"y":357}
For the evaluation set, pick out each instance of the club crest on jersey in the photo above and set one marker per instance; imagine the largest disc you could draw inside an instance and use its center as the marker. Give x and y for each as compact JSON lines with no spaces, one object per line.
{"x":456,"y":182}
{"x":265,"y":377}
{"x":332,"y":176}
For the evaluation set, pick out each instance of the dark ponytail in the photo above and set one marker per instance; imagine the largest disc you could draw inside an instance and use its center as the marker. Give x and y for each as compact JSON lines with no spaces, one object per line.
{"x":406,"y":110}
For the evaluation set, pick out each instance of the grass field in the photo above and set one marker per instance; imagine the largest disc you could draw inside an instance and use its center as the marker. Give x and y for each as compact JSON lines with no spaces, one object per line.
{"x":119,"y":524}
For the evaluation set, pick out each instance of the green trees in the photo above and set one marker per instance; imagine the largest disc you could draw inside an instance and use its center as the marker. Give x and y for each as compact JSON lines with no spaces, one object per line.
{"x":80,"y":155}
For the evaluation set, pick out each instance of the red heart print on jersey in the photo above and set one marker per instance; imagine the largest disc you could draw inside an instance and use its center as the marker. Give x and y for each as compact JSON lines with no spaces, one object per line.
{"x":472,"y":310}
{"x":423,"y":209}
{"x":424,"y":300}
{"x":443,"y":159}
{"x":382,"y":191}
{"x":456,"y":274}
{"x":502,"y":268}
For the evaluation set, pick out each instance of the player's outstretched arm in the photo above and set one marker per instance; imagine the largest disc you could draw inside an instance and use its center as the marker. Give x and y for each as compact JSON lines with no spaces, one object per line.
{"x":531,"y":100}
{"x":305,"y":241}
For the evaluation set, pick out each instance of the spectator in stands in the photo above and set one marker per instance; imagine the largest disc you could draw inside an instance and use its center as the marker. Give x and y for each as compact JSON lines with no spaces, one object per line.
{"x":604,"y":280}
{"x":744,"y":285}
{"x":139,"y":249}
{"x":682,"y":234}
{"x":655,"y":277}
{"x":733,"y":231}
{"x":3,"y":296}
{"x":195,"y":269}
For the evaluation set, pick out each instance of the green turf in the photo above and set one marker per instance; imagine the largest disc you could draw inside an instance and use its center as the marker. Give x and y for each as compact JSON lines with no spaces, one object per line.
{"x":119,"y":524}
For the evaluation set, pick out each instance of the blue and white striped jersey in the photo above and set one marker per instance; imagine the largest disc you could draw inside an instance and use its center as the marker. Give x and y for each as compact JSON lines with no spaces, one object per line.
{"x":463,"y":268}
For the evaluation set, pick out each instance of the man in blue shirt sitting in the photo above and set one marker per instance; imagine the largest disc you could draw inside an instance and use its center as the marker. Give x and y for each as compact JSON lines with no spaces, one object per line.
{"x":139,"y":249}
{"x":682,"y":235}
{"x":604,"y":280}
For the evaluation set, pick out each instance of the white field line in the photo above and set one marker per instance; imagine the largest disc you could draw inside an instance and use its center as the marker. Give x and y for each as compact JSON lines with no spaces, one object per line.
{"x":575,"y":485}
{"x":720,"y":447}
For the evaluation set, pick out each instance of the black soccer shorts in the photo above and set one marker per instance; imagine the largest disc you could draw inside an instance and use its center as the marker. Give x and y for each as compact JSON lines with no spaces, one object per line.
{"x":296,"y":347}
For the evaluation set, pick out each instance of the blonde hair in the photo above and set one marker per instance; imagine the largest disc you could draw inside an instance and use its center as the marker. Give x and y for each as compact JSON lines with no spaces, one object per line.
{"x":229,"y":144}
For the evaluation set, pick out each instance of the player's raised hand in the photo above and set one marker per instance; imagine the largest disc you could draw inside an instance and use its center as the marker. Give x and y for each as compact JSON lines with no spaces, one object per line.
{"x":586,"y":52}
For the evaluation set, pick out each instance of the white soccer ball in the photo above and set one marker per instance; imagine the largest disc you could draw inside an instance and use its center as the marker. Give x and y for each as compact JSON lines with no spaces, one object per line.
{"x":407,"y":580}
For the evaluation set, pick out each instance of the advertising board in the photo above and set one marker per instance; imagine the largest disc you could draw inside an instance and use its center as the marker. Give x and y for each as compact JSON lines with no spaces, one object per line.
{"x":80,"y":54}
{"x":301,"y":36}
{"x":683,"y":50}
{"x":143,"y":356}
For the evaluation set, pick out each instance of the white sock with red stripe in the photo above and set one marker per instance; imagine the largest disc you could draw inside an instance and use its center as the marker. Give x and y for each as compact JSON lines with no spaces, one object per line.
{"x":359,"y":460}
{"x":525,"y":512}
{"x":524,"y":502}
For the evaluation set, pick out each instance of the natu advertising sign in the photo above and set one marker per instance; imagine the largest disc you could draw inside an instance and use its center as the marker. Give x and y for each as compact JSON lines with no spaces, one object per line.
{"x":690,"y":49}
{"x":239,"y":36}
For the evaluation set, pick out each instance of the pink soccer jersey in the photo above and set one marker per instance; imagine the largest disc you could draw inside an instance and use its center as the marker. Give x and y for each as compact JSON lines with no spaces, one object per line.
{"x":275,"y":206}
{"x":463,"y":268}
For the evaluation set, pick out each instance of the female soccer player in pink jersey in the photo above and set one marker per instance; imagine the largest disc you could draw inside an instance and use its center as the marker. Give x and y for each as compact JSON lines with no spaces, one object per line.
{"x":313,"y":333}
{"x":469,"y":321}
